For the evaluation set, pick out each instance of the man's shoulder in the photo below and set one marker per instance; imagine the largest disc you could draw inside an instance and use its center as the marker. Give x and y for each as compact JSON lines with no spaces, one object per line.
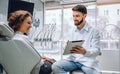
{"x":93,"y":28}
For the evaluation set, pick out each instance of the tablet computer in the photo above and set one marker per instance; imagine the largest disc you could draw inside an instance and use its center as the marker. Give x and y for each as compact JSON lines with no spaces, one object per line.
{"x":72,"y":44}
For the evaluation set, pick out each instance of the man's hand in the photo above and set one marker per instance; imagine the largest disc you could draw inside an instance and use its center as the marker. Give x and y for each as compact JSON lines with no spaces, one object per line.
{"x":78,"y":50}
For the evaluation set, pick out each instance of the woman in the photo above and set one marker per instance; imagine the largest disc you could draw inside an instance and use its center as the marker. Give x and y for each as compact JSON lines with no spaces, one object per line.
{"x":21,"y":22}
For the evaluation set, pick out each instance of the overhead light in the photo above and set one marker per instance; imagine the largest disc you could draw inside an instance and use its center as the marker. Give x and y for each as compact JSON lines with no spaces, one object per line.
{"x":49,"y":0}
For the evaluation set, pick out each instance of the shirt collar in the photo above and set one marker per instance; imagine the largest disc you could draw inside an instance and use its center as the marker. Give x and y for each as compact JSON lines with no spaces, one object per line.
{"x":18,"y":32}
{"x":85,"y":28}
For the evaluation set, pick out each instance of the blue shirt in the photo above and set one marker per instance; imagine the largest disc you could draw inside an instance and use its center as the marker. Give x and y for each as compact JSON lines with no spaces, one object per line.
{"x":91,"y":44}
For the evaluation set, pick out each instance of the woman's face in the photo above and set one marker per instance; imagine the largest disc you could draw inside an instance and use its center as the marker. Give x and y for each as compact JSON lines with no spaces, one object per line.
{"x":26,"y":25}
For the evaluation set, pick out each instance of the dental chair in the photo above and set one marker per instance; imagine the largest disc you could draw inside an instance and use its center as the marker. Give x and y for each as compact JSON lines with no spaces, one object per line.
{"x":16,"y":55}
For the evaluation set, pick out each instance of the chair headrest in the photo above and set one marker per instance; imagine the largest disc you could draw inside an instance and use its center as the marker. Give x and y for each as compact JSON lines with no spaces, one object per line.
{"x":5,"y":30}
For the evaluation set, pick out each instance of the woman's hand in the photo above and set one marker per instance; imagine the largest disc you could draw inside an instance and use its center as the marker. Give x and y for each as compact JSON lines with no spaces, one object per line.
{"x":48,"y":59}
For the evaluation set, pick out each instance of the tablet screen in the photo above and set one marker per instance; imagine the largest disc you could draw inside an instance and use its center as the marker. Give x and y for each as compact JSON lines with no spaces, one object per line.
{"x":72,"y":44}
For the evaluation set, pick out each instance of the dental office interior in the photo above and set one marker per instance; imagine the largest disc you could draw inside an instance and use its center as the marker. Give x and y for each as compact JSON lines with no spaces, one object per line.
{"x":51,"y":28}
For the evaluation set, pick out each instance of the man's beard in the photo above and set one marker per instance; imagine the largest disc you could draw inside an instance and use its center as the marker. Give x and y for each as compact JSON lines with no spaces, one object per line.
{"x":79,"y":22}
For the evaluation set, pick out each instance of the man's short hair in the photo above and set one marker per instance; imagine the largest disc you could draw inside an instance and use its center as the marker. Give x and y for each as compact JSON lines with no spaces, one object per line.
{"x":80,"y":8}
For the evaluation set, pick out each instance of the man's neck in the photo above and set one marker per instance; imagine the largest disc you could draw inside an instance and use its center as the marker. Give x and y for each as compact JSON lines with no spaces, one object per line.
{"x":80,"y":26}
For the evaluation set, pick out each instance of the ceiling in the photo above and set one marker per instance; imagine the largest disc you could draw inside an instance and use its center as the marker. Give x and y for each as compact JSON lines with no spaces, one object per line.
{"x":70,"y":1}
{"x":107,"y":1}
{"x":51,"y":3}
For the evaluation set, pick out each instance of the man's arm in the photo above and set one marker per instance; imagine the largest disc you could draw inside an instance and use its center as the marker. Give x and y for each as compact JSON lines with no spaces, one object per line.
{"x":94,"y":48}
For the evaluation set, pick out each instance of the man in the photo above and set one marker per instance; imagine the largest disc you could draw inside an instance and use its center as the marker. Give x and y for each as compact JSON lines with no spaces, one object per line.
{"x":82,"y":57}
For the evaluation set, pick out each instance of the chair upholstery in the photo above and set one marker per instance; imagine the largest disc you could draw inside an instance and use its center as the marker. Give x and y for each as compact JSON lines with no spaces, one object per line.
{"x":5,"y":30}
{"x":16,"y":56}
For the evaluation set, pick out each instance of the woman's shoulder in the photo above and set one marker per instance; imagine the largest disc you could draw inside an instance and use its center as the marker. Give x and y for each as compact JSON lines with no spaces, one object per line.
{"x":20,"y":35}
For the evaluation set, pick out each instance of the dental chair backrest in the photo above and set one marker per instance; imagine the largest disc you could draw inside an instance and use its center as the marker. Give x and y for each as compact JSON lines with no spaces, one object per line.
{"x":16,"y":55}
